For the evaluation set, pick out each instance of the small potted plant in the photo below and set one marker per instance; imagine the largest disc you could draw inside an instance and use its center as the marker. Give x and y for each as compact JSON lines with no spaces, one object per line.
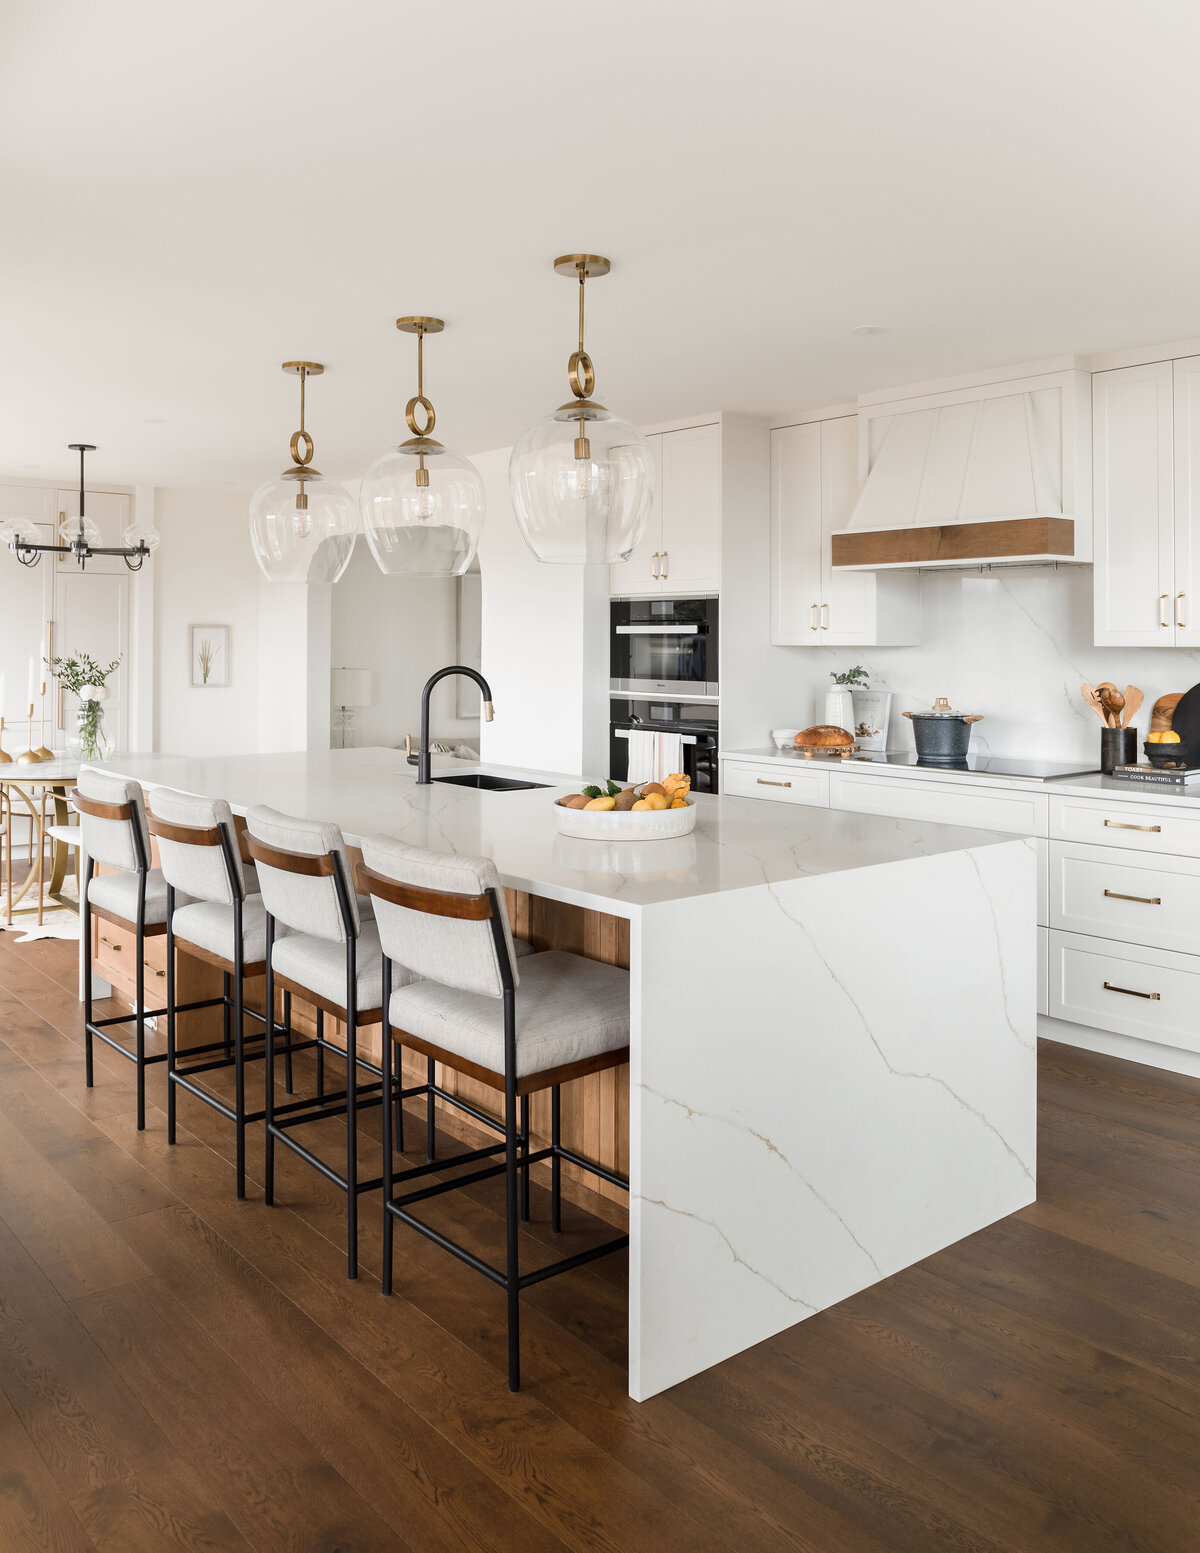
{"x":839,"y":702}
{"x":85,"y":679}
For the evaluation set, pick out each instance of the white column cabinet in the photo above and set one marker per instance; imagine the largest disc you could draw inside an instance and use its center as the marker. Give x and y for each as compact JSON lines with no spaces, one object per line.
{"x":1185,"y":585}
{"x":1146,"y":452}
{"x":814,"y":483}
{"x":680,"y":551}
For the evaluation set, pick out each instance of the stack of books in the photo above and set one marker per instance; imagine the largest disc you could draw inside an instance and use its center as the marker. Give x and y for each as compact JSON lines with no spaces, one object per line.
{"x":1159,"y":776}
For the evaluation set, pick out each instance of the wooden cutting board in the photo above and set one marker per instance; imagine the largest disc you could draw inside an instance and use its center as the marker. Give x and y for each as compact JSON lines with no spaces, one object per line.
{"x":1163,"y":712}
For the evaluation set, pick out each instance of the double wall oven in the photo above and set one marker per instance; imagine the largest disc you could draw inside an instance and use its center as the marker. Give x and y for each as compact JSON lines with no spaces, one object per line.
{"x":663,"y":667}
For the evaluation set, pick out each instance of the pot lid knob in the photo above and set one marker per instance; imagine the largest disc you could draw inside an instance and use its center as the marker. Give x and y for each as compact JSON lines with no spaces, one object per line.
{"x":941,"y":704}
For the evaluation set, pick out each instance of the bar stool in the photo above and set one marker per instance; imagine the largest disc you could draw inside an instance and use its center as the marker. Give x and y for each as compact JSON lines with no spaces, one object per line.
{"x":443,"y":918}
{"x":329,"y":955}
{"x":113,"y":831}
{"x":225,"y":926}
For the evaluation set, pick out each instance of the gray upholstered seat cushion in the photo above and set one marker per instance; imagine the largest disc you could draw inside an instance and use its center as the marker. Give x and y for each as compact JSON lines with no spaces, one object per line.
{"x":523,"y":947}
{"x":320,"y":965}
{"x":209,"y":924}
{"x":118,"y":893}
{"x":568,"y":1009}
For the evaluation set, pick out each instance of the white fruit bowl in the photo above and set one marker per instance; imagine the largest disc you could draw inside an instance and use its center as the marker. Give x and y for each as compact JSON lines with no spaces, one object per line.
{"x":624,"y":824}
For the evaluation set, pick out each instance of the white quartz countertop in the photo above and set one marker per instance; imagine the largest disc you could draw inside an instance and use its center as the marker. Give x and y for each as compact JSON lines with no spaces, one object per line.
{"x":1086,"y":785}
{"x":738,"y":843}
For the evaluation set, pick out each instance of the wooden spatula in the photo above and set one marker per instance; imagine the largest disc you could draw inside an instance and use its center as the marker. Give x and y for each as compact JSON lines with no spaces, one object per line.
{"x":1092,"y":696}
{"x":1133,"y":704}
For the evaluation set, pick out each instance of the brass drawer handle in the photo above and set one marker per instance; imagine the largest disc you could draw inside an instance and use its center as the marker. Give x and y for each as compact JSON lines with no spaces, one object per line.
{"x":1152,"y":997}
{"x":1142,"y":900}
{"x":654,"y":564}
{"x":110,"y":943}
{"x":160,"y":973}
{"x":1121,"y":825}
{"x":1162,"y":611}
{"x":812,"y":617}
{"x":766,"y":782}
{"x":1179,"y":620}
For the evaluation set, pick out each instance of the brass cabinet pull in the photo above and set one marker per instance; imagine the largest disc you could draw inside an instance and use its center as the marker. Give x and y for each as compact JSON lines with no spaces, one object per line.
{"x":766,"y":782}
{"x":1142,"y":900}
{"x":812,"y":617}
{"x":159,"y":973}
{"x":666,"y":560}
{"x":1122,"y":825}
{"x":1162,"y":611}
{"x":1179,"y":620}
{"x":1151,"y":997}
{"x":654,"y":564}
{"x":824,"y":622}
{"x":110,"y":943}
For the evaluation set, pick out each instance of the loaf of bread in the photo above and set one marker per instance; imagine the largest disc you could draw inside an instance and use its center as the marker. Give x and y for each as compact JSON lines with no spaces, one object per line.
{"x":824,"y":735}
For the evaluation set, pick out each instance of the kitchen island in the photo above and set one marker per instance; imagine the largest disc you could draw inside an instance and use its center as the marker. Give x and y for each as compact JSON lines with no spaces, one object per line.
{"x":832,"y":1026}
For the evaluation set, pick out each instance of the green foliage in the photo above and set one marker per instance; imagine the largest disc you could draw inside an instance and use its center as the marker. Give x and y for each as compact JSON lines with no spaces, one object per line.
{"x":855,"y":678}
{"x":79,"y":670}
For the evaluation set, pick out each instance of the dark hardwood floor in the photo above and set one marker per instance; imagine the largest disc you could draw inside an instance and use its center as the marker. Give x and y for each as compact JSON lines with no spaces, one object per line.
{"x":178,"y":1370}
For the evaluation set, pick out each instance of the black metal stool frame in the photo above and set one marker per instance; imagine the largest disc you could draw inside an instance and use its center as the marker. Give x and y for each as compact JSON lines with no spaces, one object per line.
{"x":517,"y":1155}
{"x":233,"y":1045}
{"x":97,"y":1029}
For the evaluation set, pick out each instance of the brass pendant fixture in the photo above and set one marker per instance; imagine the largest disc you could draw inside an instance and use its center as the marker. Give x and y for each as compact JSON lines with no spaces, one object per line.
{"x":302,"y":526}
{"x":422,"y":506}
{"x":581,"y":480}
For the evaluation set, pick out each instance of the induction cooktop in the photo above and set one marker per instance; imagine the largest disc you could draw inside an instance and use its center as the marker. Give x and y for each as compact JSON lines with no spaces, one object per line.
{"x":980,"y":765}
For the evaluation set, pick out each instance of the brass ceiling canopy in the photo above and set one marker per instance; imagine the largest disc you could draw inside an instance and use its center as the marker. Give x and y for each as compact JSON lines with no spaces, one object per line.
{"x":417,"y":323}
{"x":593,"y":265}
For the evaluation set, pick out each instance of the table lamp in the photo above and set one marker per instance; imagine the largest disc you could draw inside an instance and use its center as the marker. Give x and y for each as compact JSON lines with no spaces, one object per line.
{"x":350,"y":688}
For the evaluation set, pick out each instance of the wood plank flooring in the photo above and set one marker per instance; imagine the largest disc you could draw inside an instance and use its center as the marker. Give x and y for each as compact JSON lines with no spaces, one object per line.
{"x":179,"y":1370}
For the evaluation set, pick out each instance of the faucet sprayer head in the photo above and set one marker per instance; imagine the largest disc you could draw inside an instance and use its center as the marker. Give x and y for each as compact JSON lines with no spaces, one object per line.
{"x":488,"y":711}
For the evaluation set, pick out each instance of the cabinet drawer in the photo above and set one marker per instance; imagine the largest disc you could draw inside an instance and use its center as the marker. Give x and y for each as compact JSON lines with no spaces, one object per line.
{"x":785,"y":784}
{"x":1127,"y":988}
{"x":116,"y":955}
{"x":953,"y":803}
{"x":1111,"y":892}
{"x":1142,"y":827}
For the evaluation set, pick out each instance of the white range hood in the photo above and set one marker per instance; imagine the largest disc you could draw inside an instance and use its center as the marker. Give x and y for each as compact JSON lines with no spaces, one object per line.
{"x":988,"y":474}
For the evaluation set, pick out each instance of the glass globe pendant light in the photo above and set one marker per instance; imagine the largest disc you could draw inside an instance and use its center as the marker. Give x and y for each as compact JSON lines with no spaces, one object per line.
{"x":79,"y":537}
{"x":581,"y":479}
{"x":422,"y":506}
{"x":302,"y":526}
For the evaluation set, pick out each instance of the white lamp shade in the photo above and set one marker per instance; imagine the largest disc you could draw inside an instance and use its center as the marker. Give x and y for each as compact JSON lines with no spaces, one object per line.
{"x":350,"y":687}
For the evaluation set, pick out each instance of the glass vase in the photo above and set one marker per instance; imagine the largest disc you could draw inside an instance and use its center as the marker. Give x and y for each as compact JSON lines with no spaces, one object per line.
{"x":90,"y":739}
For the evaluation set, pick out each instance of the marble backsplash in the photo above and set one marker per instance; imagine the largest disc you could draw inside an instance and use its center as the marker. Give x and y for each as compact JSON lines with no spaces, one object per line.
{"x":1014,"y":644}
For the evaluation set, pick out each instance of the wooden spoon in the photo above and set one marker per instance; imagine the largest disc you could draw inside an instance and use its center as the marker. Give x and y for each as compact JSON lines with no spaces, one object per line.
{"x":1113,"y":703}
{"x":1133,"y":704}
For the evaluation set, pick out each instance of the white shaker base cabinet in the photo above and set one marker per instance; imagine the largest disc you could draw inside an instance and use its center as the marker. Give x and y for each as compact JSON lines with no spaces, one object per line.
{"x":814,"y":483}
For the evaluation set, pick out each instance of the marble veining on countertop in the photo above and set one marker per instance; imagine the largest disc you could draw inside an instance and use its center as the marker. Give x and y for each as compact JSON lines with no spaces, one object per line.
{"x":738,"y":843}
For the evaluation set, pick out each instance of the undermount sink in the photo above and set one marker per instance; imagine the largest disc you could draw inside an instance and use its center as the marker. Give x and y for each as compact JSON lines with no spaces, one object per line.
{"x":489,"y":783}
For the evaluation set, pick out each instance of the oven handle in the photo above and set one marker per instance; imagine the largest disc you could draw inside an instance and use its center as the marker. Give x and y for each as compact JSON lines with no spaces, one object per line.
{"x":663,"y":630}
{"x":685,"y":738}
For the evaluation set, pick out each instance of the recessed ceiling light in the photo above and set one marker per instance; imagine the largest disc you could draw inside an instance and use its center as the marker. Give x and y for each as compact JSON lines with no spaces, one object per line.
{"x":869,"y":329}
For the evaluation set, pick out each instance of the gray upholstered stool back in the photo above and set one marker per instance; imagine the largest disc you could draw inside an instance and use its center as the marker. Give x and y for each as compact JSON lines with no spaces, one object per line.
{"x":114,"y":842}
{"x":455,"y":953}
{"x":306,"y":903}
{"x":199,"y":871}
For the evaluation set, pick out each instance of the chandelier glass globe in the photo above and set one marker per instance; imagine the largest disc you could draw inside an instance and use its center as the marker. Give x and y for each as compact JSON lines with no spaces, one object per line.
{"x":302,"y":527}
{"x":422,"y":530}
{"x":141,"y":534}
{"x":572,"y":509}
{"x":72,"y":529}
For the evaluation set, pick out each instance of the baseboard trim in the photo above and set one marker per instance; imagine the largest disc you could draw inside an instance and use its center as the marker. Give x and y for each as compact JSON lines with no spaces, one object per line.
{"x":1150,"y":1053}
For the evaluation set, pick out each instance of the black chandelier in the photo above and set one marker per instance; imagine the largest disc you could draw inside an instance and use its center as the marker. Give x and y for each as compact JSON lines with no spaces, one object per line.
{"x":140,"y":540}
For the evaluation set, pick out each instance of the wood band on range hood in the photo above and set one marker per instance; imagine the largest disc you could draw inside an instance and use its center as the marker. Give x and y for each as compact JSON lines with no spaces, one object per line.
{"x":955,"y":543}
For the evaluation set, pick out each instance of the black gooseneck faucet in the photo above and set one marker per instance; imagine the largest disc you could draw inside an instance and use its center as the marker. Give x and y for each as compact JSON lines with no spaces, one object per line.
{"x":423,"y":760}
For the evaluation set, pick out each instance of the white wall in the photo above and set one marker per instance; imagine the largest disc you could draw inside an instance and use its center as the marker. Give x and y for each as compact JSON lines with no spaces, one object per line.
{"x":1014,"y":644}
{"x":402,"y":629}
{"x":545,"y":646}
{"x":205,"y":574}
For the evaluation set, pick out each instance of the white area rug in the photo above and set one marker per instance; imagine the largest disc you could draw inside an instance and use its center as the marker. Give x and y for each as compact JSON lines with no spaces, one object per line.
{"x":58,"y":922}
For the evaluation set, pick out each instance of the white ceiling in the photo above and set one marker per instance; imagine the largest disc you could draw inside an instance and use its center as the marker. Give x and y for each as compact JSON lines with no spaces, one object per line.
{"x":190,"y":194}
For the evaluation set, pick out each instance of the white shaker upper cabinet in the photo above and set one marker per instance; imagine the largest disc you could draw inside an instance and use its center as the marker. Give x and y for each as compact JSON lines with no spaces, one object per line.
{"x":1185,"y":592}
{"x":680,"y":551}
{"x":814,"y":485}
{"x":1133,"y":491}
{"x":640,"y":573}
